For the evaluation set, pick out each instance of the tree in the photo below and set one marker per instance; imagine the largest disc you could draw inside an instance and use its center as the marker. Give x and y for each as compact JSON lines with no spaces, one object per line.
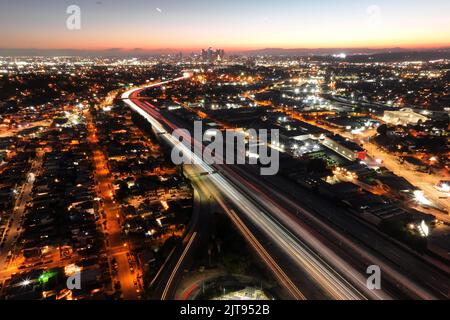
{"x":317,"y":165}
{"x":124,"y":192}
{"x":382,"y":130}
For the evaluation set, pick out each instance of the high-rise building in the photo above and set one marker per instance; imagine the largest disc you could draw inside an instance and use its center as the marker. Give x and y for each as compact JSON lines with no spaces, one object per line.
{"x":210,"y":55}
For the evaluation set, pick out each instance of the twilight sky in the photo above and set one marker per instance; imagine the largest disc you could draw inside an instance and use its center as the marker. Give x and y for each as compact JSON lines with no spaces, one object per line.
{"x":230,"y":24}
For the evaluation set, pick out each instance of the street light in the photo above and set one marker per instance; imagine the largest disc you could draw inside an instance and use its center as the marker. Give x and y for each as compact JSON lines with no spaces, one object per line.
{"x":420,"y":198}
{"x":25,"y":283}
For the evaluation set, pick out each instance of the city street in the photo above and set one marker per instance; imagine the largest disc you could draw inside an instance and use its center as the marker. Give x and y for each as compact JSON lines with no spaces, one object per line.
{"x":117,"y":249}
{"x":423,"y":181}
{"x":19,"y":211}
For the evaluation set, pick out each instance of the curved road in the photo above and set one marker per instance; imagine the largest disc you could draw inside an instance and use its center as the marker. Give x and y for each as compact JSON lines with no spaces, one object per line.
{"x":261,"y":215}
{"x":331,"y":282}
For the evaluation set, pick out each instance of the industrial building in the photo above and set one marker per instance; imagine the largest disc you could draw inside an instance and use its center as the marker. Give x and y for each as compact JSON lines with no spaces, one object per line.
{"x":404,"y":116}
{"x":344,"y":147}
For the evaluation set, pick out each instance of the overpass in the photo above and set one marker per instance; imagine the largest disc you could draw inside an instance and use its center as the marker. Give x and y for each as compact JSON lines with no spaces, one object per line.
{"x":250,"y":212}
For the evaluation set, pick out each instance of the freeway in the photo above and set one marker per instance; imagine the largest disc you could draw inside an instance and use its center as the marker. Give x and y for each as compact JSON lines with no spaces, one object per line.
{"x":402,"y":269}
{"x":167,"y":279}
{"x":204,"y":185}
{"x":296,"y":251}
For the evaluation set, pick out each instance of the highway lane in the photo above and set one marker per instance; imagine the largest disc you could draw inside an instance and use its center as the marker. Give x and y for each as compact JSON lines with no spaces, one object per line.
{"x":181,"y":258}
{"x":403,"y":269}
{"x":146,"y":109}
{"x":419,"y":275}
{"x":336,"y":286}
{"x":204,"y":184}
{"x":394,"y":253}
{"x":176,"y":270}
{"x":423,"y":268}
{"x":254,"y":194}
{"x":418,"y":271}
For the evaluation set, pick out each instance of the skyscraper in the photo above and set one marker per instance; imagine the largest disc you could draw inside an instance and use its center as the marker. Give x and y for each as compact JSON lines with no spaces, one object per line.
{"x":210,"y":55}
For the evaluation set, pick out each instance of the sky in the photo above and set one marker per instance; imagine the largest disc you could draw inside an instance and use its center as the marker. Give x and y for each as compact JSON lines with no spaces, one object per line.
{"x":228,"y":24}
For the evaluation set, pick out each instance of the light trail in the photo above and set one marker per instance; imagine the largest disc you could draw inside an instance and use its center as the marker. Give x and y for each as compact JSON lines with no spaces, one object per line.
{"x":263,"y":254}
{"x":162,"y":267}
{"x":323,"y":274}
{"x":175,"y":270}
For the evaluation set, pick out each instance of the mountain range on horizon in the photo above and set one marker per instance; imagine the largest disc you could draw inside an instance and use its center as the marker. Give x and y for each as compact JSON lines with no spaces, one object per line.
{"x":348,"y":51}
{"x":121,"y":52}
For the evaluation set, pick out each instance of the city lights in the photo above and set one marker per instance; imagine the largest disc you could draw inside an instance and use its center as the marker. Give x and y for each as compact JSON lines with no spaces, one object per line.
{"x":420,"y":198}
{"x":247,"y":150}
{"x":25,"y":283}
